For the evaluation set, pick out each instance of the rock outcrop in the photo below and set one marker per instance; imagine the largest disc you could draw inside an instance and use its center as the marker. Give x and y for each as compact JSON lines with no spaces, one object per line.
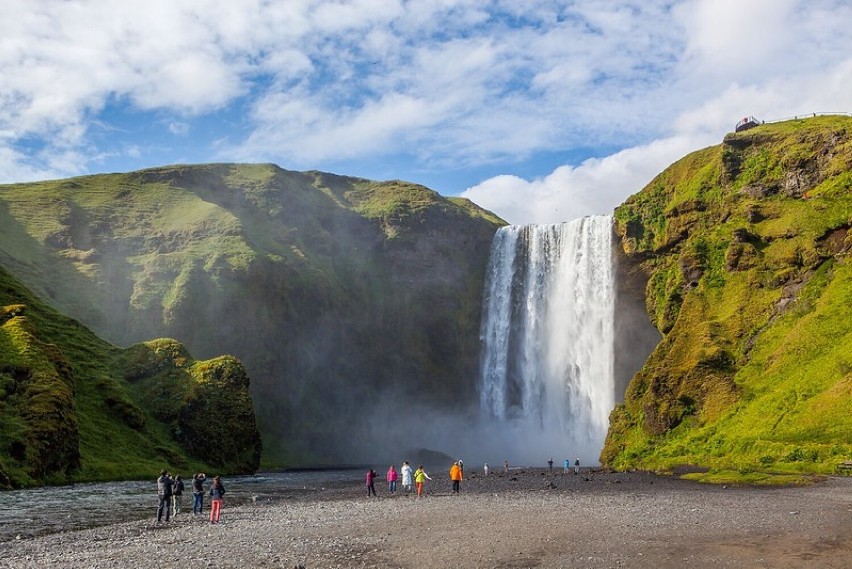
{"x":746,"y":248}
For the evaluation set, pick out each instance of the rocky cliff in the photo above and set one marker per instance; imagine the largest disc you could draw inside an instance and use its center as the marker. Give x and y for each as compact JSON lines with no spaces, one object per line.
{"x":73,"y":407}
{"x":745,"y":247}
{"x":347,"y":300}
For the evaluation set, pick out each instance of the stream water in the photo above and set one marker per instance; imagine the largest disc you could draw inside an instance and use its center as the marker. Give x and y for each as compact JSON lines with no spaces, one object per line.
{"x":37,"y":511}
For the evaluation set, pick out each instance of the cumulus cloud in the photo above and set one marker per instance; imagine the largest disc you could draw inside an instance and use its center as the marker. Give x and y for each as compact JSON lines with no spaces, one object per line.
{"x":428,"y":85}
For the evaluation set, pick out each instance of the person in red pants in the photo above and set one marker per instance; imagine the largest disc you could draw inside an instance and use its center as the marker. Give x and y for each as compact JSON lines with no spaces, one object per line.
{"x":217,"y":491}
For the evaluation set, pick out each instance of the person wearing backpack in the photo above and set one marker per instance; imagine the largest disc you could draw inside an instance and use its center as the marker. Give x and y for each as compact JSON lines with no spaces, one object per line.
{"x":164,"y":495}
{"x":177,"y":495}
{"x":217,"y":491}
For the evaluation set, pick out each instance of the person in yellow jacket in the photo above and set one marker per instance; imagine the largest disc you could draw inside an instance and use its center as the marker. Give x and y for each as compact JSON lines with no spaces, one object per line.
{"x":420,"y":477}
{"x":456,"y":476}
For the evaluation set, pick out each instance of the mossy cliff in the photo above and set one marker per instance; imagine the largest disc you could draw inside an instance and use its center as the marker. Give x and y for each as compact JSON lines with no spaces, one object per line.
{"x":746,"y":249}
{"x":345,"y":298}
{"x":74,"y":407}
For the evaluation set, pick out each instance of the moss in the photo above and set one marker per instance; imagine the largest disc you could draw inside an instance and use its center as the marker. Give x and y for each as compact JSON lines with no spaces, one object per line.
{"x":69,"y":413}
{"x":752,"y":300}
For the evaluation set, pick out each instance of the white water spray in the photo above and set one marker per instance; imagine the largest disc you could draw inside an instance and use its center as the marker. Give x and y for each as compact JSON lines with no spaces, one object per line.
{"x":547,"y":369}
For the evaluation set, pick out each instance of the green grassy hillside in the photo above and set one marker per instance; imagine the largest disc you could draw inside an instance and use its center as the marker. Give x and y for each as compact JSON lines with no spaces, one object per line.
{"x":746,"y":247}
{"x":331,"y":290}
{"x":74,"y":407}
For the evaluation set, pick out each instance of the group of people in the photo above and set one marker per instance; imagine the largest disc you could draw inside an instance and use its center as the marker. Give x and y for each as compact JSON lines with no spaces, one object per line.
{"x":566,"y":466}
{"x":406,"y":475}
{"x":170,"y":494}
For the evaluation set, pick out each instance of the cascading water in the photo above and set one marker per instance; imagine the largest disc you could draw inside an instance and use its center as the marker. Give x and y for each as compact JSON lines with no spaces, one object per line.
{"x":547,"y":368}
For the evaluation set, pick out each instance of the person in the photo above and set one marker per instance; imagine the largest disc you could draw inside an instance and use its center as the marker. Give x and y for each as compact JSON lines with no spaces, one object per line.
{"x":420,"y":477}
{"x":566,"y":466}
{"x":577,"y":466}
{"x":164,"y":496}
{"x":198,"y":492}
{"x":486,"y":469}
{"x":550,"y":466}
{"x":393,"y":476}
{"x":177,"y":493}
{"x":505,"y":467}
{"x":371,"y":485}
{"x":456,"y":476}
{"x":406,"y":477}
{"x":217,"y":491}
{"x":461,"y":467}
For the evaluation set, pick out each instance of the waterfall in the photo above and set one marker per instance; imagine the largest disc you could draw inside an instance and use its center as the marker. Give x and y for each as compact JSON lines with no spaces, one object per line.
{"x":547,"y":362}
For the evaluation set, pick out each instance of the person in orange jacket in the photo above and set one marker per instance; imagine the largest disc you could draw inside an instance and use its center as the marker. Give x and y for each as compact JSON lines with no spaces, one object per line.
{"x":456,"y":476}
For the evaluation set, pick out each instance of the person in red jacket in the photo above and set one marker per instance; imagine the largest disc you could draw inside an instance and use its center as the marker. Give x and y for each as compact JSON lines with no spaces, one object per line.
{"x":456,"y":476}
{"x":393,"y":476}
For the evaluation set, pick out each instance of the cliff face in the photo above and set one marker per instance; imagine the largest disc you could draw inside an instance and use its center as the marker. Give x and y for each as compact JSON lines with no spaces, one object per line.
{"x":68,"y":413}
{"x":344,"y":298}
{"x":746,"y":248}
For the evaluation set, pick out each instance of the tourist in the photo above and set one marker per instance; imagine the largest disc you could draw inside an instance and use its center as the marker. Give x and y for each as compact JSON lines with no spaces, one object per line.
{"x":505,"y":467}
{"x":393,"y":476}
{"x":461,"y":467}
{"x":420,"y":477}
{"x":371,"y":484}
{"x":485,"y":469}
{"x":550,"y":466}
{"x":456,"y":476}
{"x":577,"y":466}
{"x":177,"y":493}
{"x":217,"y":491}
{"x":566,"y":466}
{"x":198,"y":493}
{"x":406,"y":477}
{"x":164,"y":496}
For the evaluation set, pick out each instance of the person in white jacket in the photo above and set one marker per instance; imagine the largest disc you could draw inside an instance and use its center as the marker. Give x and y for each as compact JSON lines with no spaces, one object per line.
{"x":405,"y":471}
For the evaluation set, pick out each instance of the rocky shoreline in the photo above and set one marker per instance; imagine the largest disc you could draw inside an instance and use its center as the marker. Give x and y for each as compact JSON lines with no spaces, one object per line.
{"x":527,"y":518}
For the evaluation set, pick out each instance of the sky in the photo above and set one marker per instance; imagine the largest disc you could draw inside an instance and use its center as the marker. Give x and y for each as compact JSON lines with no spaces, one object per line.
{"x":541,"y":111}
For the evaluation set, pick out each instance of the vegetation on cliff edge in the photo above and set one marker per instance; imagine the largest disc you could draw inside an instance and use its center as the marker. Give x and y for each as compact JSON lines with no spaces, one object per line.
{"x":76,"y":408}
{"x":746,"y":247}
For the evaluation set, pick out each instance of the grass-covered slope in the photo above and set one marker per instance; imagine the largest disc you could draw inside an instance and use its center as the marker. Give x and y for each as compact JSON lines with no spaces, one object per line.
{"x":746,"y":246}
{"x":74,"y":407}
{"x":345,"y":298}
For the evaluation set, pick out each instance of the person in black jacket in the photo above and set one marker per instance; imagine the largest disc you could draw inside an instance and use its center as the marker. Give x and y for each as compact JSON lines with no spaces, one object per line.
{"x":164,"y":496}
{"x":177,"y":494}
{"x":198,"y":492}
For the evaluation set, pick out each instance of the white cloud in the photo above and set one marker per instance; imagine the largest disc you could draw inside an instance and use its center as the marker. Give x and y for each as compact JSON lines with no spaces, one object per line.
{"x":446,"y":83}
{"x":596,"y":186}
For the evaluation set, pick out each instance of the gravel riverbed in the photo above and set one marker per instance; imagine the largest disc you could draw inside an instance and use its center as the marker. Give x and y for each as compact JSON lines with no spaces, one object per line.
{"x":527,"y":518}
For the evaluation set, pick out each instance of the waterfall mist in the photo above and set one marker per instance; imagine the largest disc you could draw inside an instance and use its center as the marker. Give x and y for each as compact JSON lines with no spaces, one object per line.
{"x":547,"y":381}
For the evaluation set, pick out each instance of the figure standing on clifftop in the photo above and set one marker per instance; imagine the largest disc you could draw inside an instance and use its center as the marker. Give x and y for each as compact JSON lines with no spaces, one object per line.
{"x":217,"y":491}
{"x":566,"y":466}
{"x":406,"y":476}
{"x":420,"y":477}
{"x":456,"y":476}
{"x":505,"y":467}
{"x":371,"y":482}
{"x":577,"y":466}
{"x":393,"y":476}
{"x":164,"y":495}
{"x":550,"y":465}
{"x":485,"y":469}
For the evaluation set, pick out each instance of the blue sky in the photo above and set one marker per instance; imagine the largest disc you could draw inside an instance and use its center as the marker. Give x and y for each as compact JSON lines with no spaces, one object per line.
{"x":541,"y":110}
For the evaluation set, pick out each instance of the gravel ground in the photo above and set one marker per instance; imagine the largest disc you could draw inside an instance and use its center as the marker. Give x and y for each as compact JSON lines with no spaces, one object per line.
{"x":527,"y":518}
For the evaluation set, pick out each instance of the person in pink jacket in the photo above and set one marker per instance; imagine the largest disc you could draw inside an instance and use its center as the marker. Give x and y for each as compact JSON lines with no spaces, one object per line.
{"x":393,"y":476}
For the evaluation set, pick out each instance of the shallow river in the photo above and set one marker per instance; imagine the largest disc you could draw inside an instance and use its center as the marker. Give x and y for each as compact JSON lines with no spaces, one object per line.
{"x":37,"y":511}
